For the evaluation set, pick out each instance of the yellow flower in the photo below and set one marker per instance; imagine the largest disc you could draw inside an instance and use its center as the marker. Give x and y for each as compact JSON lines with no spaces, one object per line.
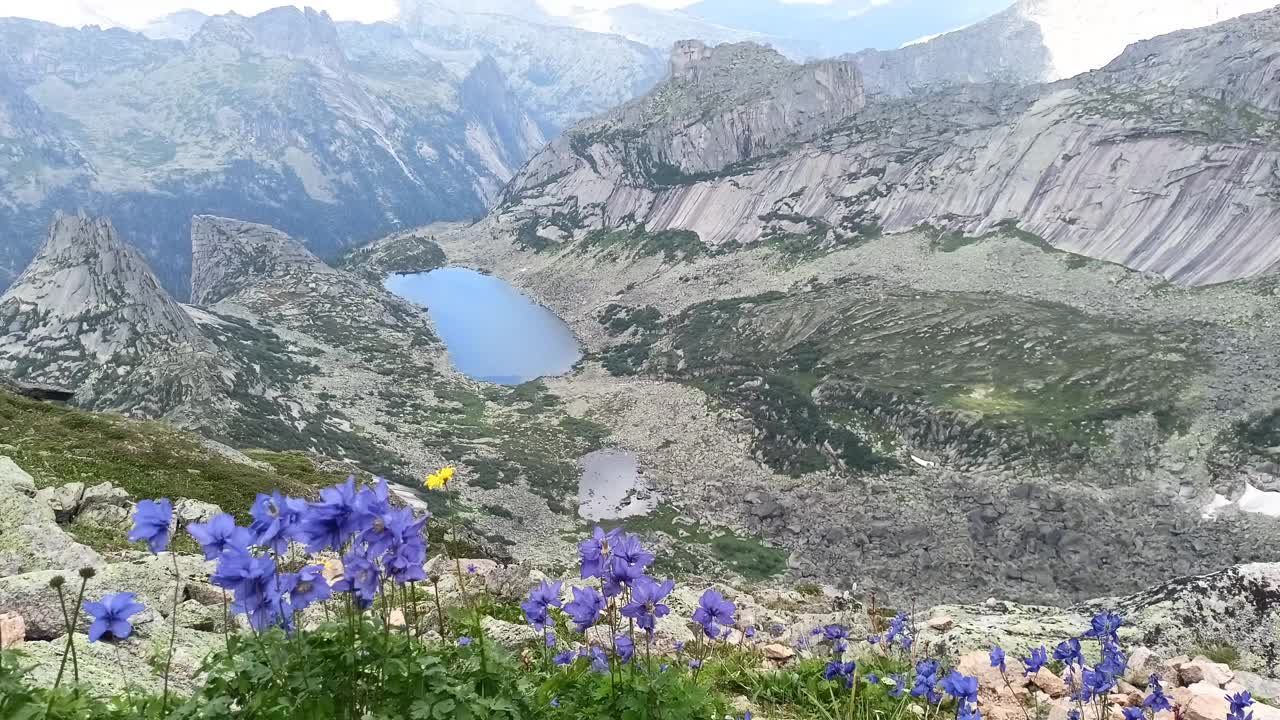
{"x":440,"y":479}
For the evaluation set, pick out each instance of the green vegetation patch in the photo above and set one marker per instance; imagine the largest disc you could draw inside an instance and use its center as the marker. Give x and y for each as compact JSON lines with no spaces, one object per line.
{"x":672,"y":245}
{"x":58,"y":445}
{"x":691,"y":548}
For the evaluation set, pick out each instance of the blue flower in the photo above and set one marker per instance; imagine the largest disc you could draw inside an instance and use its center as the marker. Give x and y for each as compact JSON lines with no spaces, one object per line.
{"x":257,"y":593}
{"x":961,"y":687}
{"x":1073,"y":714}
{"x":1068,"y":651}
{"x":837,"y":670}
{"x":1113,"y":659}
{"x":997,"y":658}
{"x":219,"y":533}
{"x":274,"y":517}
{"x":899,"y":631}
{"x":873,"y":679}
{"x":550,"y":640}
{"x":564,"y":658}
{"x":111,"y":616}
{"x":646,"y":602}
{"x":305,"y":587}
{"x":835,"y":632}
{"x":899,"y":685}
{"x":1104,"y":626}
{"x":372,"y":501}
{"x":595,"y":552}
{"x":620,"y":575}
{"x":968,"y":711}
{"x":359,"y":577}
{"x":599,"y":661}
{"x":464,"y":641}
{"x":1240,"y":702}
{"x":626,"y":649}
{"x":713,"y":611}
{"x":585,"y":608}
{"x":1156,"y":701}
{"x":873,"y":639}
{"x":1133,"y":713}
{"x":1095,"y":683}
{"x":555,"y":702}
{"x":694,"y":664}
{"x":541,"y":599}
{"x":926,"y":678}
{"x":679,"y":646}
{"x":407,"y":551}
{"x":1038,"y":659}
{"x":151,"y":523}
{"x":332,"y":521}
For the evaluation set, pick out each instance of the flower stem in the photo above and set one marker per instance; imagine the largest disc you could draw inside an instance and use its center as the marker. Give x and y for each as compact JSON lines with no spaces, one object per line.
{"x":173,"y":633}
{"x":435,"y":582}
{"x":66,"y":652}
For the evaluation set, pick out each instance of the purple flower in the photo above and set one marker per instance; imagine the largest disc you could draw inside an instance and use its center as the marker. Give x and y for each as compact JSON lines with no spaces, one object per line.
{"x":111,"y":616}
{"x":1133,"y":713}
{"x":873,"y":679}
{"x":750,"y":632}
{"x":151,"y":523}
{"x":1104,"y":626}
{"x":899,"y":631}
{"x":332,"y":521}
{"x":585,"y":608}
{"x":305,"y":587}
{"x":219,"y":533}
{"x":472,"y":569}
{"x":873,"y":639}
{"x":596,"y":552}
{"x":1156,"y":701}
{"x":1095,"y":683}
{"x":899,"y":685}
{"x":626,"y":649}
{"x":274,"y":517}
{"x":961,"y":687}
{"x":835,"y":632}
{"x":694,"y":664}
{"x":555,"y":702}
{"x":359,"y":577}
{"x":257,"y":592}
{"x":1240,"y":702}
{"x":926,"y":678}
{"x":372,"y":501}
{"x":1038,"y":659}
{"x":541,"y":599}
{"x":550,"y":640}
{"x":397,"y":536}
{"x":1113,"y":661}
{"x":713,"y":610}
{"x":679,"y":646}
{"x":1068,"y":651}
{"x":836,"y":670}
{"x":564,"y":658}
{"x":599,"y":661}
{"x":997,"y":658}
{"x":968,"y":712}
{"x":464,"y":641}
{"x":646,"y":602}
{"x":1073,"y":714}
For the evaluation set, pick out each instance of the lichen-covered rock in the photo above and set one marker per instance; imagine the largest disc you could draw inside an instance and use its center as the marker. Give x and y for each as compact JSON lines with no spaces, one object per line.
{"x":63,"y":499}
{"x":114,"y":667}
{"x":508,"y":634}
{"x":187,"y":511}
{"x":151,"y":577}
{"x":30,"y":539}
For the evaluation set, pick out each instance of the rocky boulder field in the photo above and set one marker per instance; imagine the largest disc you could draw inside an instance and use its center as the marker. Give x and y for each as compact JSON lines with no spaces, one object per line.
{"x":1204,"y":637}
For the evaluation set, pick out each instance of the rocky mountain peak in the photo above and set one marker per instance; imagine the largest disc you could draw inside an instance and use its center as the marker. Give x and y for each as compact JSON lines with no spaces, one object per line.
{"x":228,"y":256}
{"x":89,"y":315}
{"x":86,"y":281}
{"x":284,"y":31}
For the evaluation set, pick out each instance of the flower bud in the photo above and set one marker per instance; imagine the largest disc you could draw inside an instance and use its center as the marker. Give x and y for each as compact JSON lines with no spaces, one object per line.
{"x":57,"y":581}
{"x":87,"y":572}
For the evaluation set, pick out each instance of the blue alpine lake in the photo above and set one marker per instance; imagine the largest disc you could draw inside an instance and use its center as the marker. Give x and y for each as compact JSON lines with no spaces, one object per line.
{"x":492,"y":332}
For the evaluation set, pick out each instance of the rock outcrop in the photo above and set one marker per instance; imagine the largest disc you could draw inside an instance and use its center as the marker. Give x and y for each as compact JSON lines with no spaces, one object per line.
{"x":1161,"y":162}
{"x":89,"y":315}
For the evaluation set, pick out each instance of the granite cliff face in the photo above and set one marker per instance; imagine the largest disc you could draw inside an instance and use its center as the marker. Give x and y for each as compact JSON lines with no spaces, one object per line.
{"x":1163,"y":161}
{"x":89,"y":315}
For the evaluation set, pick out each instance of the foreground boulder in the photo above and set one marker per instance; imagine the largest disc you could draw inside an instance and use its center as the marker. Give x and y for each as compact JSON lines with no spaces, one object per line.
{"x":30,"y":538}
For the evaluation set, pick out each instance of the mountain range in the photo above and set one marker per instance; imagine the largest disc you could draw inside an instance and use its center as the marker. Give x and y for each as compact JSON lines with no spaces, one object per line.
{"x":928,"y":316}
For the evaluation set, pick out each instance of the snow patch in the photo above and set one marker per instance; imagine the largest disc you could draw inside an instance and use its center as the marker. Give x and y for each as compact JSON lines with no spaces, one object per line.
{"x":1211,"y":510}
{"x":1258,"y":501}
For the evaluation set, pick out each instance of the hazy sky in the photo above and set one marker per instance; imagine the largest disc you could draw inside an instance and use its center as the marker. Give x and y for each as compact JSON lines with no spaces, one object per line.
{"x":134,"y":13}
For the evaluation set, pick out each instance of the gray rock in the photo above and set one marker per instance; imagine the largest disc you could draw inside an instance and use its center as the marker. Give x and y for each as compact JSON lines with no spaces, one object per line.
{"x":64,"y":500}
{"x":15,"y":477}
{"x":187,"y":511}
{"x":508,"y":634}
{"x":30,"y":539}
{"x":1261,"y":687}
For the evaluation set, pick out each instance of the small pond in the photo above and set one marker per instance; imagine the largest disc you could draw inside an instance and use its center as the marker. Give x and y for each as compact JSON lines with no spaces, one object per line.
{"x":493,"y":333}
{"x":612,"y":487}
